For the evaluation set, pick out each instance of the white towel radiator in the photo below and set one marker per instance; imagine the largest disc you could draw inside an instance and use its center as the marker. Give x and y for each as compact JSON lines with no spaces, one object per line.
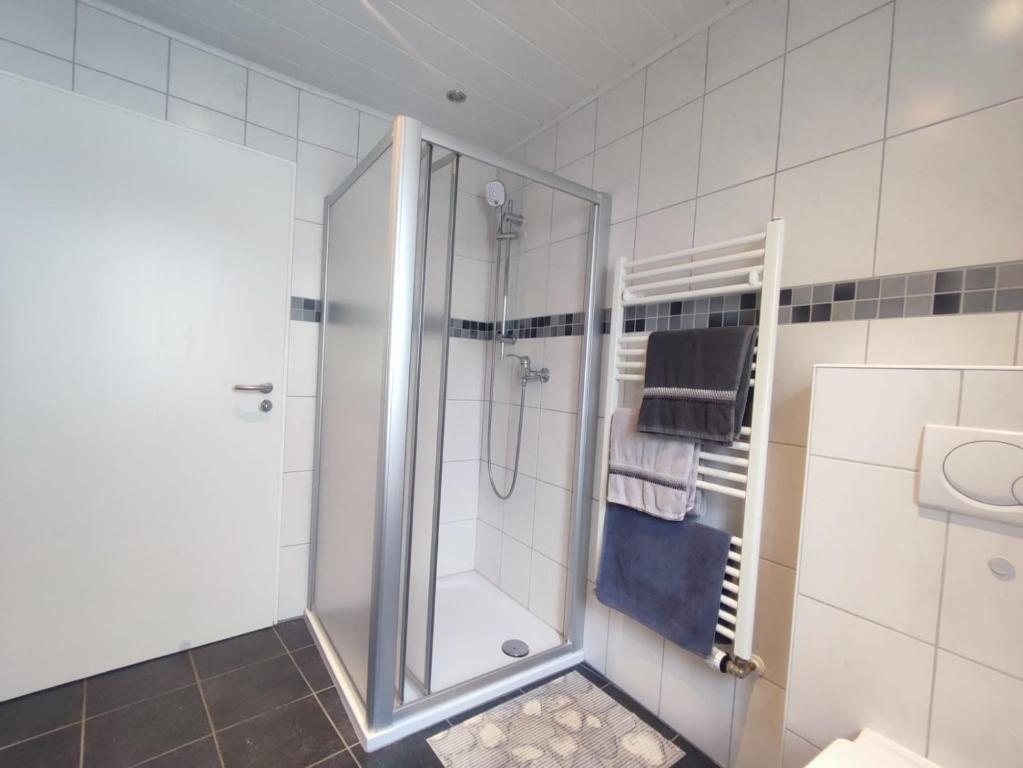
{"x":739,"y":266}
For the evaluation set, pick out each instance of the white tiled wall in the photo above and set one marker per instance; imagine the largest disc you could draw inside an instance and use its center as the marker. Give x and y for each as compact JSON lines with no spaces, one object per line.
{"x":900,"y":625}
{"x":98,"y":51}
{"x":886,"y":134}
{"x":461,"y":534}
{"x":528,"y":533}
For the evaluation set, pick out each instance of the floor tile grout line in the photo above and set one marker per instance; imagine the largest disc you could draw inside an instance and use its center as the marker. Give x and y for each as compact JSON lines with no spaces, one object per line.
{"x":187,"y":685}
{"x":249,"y":719}
{"x":81,"y":736}
{"x":169,"y":752}
{"x":122,"y":707}
{"x":35,"y":736}
{"x":206,"y":709}
{"x":268,"y":658}
{"x":323,"y":760}
{"x":315,"y":694}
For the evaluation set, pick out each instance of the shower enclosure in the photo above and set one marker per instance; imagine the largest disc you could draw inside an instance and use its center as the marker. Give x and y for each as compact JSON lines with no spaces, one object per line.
{"x":460,"y":360}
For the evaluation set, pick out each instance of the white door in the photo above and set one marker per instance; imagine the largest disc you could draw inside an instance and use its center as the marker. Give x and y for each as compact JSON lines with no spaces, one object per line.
{"x":143,"y":273}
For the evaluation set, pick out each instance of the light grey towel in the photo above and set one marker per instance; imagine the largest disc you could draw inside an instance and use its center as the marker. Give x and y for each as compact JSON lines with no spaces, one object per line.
{"x":651,"y":473}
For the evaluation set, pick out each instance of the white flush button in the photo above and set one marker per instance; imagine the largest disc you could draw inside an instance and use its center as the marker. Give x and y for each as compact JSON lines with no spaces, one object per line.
{"x":1002,"y":568}
{"x":971,"y":471}
{"x":987,"y":471}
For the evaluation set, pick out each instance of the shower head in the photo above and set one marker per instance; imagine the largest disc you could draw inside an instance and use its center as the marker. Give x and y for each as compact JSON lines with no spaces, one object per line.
{"x":495,"y":193}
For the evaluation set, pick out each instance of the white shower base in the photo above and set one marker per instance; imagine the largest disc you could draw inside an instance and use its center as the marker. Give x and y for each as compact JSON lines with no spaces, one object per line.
{"x":472,"y":618}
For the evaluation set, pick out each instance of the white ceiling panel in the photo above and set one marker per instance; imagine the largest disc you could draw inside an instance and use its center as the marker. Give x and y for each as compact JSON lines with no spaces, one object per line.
{"x":682,"y":16}
{"x":476,"y":29}
{"x":521,"y":62}
{"x":549,"y":27}
{"x":627,"y":26}
{"x":476,"y":73}
{"x":337,"y":36}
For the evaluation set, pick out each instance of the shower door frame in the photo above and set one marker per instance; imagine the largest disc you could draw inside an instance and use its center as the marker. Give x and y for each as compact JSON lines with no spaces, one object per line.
{"x":380,"y":720}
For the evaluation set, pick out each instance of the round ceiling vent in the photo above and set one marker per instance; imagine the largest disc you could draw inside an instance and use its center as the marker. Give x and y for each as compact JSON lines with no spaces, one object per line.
{"x":456,"y":97}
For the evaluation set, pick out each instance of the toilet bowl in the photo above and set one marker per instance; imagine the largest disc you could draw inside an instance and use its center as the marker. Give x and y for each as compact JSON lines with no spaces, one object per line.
{"x":869,"y":750}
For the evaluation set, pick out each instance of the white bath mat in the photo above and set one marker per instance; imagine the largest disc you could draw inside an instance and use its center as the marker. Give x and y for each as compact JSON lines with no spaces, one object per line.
{"x":567,"y":723}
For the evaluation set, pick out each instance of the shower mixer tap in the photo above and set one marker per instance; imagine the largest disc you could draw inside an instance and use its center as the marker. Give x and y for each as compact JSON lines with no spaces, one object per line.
{"x":529,"y":373}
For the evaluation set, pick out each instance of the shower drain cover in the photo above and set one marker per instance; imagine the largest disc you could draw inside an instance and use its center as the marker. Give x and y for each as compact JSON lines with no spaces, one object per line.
{"x":515,"y":648}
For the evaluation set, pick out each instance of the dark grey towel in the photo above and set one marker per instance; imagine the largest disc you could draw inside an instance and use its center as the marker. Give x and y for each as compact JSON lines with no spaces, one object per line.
{"x":666,"y":575}
{"x":697,"y":382}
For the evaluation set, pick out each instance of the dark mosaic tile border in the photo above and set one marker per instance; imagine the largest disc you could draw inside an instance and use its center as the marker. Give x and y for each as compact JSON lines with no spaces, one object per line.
{"x":539,"y":327}
{"x":308,"y":310}
{"x":470,"y":329}
{"x":545,"y":326}
{"x":706,"y":312}
{"x":970,"y":290}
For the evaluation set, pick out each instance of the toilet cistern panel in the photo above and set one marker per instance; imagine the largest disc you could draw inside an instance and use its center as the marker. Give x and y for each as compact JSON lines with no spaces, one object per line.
{"x":977,"y":472}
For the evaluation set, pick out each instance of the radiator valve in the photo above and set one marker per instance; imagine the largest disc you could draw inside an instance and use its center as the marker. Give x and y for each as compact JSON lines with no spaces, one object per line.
{"x":740,"y":668}
{"x":743,"y":668}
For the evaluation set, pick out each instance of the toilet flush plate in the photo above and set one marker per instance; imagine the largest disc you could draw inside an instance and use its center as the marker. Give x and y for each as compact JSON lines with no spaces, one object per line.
{"x":977,"y":472}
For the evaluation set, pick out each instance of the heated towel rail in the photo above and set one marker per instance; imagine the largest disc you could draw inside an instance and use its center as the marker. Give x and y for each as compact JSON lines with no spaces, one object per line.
{"x":711,"y":273}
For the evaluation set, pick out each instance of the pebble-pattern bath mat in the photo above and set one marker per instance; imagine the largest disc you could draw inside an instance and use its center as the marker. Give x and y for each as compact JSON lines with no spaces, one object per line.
{"x":567,"y":723}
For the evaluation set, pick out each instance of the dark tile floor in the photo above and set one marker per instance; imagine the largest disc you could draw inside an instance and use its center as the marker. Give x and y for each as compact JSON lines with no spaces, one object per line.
{"x":261,"y":700}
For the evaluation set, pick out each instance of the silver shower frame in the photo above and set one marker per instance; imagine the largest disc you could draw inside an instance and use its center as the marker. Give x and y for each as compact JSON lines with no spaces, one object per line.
{"x":381,"y":721}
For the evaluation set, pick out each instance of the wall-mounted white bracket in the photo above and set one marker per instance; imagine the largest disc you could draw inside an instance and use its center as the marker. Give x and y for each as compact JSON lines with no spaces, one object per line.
{"x":977,"y":472}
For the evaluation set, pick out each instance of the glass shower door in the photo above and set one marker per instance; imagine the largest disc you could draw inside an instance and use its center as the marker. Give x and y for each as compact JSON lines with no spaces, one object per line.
{"x":415,"y":589}
{"x":357,"y":294}
{"x":370,"y":350}
{"x":436,"y":216}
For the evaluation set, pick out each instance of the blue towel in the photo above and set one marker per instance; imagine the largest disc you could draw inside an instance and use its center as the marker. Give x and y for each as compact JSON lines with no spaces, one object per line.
{"x":664,"y":574}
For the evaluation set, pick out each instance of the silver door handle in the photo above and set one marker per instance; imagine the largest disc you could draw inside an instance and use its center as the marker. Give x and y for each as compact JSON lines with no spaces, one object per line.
{"x":266,"y":389}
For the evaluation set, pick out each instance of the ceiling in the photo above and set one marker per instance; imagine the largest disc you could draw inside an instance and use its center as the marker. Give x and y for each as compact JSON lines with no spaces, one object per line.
{"x":521,"y":62}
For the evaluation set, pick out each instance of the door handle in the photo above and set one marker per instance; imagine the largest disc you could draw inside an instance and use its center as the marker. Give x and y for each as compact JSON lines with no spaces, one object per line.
{"x":266,"y":389}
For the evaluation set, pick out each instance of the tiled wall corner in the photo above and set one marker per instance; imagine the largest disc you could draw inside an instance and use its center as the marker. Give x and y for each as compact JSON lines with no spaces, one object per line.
{"x":522,"y":542}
